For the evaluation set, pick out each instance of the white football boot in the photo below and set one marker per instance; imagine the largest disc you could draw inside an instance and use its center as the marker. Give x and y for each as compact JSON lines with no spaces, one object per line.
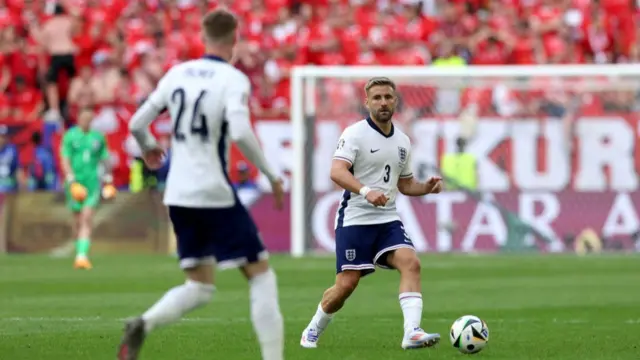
{"x":418,"y":338}
{"x":309,"y":338}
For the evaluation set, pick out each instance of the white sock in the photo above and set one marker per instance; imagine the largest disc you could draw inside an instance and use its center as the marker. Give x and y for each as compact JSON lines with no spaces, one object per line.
{"x":320,"y":320}
{"x":266,"y":316}
{"x":411,"y":304}
{"x":176,"y":303}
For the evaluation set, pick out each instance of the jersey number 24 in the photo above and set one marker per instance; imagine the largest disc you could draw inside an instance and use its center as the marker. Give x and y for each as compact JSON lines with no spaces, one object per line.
{"x":198,"y":122}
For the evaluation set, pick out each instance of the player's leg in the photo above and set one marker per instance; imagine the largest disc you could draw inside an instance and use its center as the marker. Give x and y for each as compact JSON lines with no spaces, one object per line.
{"x":265,"y":308}
{"x":76,"y":210}
{"x":397,"y":252}
{"x":197,"y":261}
{"x":85,"y":229}
{"x":354,"y":259}
{"x":239,"y":245}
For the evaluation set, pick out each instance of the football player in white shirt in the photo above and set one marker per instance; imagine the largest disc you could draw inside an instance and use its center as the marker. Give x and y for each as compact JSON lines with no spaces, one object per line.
{"x":208,"y":103}
{"x":372,"y":163}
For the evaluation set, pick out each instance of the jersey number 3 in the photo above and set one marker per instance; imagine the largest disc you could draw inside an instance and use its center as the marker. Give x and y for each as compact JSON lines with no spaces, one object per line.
{"x":198,"y":120}
{"x":387,"y":173}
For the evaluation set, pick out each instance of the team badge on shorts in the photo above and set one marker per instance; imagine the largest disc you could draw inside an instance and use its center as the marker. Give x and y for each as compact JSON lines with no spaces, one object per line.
{"x":402,"y":153}
{"x":350,"y":254}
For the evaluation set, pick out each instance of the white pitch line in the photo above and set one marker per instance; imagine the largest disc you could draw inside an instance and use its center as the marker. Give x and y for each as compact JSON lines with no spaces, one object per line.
{"x":298,"y":319}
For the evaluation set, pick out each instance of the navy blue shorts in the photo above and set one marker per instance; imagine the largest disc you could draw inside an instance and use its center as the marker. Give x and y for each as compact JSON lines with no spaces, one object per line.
{"x":227,"y":236}
{"x":363,"y":247}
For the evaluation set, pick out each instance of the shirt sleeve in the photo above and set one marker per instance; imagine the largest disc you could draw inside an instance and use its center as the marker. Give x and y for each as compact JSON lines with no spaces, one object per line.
{"x":407,"y":170}
{"x":347,"y":148}
{"x":104,"y":151}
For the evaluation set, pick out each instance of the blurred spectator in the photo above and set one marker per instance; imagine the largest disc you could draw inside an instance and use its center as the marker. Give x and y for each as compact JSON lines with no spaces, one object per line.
{"x":105,"y":78}
{"x":122,"y":48}
{"x":23,"y":61}
{"x":81,"y":92}
{"x":446,"y":56}
{"x":42,"y":171}
{"x":26,"y":102}
{"x":460,"y":168}
{"x":8,"y":163}
{"x":56,"y":36}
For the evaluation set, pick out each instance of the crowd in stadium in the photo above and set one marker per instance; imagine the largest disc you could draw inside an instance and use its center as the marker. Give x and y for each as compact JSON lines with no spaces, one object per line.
{"x":58,"y":56}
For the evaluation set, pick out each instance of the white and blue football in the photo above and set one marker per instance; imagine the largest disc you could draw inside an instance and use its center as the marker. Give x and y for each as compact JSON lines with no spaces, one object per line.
{"x":469,"y":334}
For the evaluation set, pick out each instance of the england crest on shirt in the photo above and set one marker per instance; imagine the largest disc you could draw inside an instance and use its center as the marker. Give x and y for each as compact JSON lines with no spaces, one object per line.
{"x":402,"y":154}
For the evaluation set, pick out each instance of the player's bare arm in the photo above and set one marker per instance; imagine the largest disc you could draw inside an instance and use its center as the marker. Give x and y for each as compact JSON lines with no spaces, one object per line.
{"x":108,"y":191}
{"x":412,"y":187}
{"x":341,"y":175}
{"x":241,"y":131}
{"x":152,"y":153}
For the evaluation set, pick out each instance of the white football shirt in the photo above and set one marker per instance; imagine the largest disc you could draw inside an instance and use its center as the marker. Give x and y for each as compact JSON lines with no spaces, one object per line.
{"x":207,"y":100}
{"x":378,"y":161}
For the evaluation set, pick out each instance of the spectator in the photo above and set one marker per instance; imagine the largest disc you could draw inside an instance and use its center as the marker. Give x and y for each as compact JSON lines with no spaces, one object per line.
{"x":447,"y":56}
{"x":4,"y":107}
{"x":42,"y":170}
{"x":81,"y":92}
{"x":459,"y":169}
{"x":5,"y":72}
{"x":23,"y":61}
{"x":57,"y":38}
{"x":105,"y":78}
{"x":8,"y":163}
{"x":121,"y":49}
{"x":26,"y":102}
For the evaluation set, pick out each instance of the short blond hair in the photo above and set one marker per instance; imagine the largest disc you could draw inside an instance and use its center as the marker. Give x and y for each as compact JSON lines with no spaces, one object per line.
{"x":219,"y":26}
{"x":379,"y":81}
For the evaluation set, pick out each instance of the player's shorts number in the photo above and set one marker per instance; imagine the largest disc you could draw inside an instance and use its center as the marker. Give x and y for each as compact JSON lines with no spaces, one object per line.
{"x":198,"y":120}
{"x":387,"y":173}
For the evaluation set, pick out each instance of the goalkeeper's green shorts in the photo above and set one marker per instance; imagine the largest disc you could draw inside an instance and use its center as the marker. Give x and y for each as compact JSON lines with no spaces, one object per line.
{"x":91,"y":201}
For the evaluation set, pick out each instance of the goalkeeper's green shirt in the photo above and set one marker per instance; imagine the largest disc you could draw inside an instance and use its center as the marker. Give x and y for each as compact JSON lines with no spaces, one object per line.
{"x":85,"y":151}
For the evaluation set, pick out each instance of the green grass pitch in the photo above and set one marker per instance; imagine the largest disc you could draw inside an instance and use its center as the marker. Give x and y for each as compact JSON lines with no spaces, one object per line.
{"x":537,"y":307}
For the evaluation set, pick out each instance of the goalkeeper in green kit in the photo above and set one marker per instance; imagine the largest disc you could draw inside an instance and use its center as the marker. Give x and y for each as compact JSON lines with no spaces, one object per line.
{"x":83,"y":151}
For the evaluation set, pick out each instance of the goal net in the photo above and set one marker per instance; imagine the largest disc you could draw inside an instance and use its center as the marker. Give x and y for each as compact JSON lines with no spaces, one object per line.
{"x":555,"y":149}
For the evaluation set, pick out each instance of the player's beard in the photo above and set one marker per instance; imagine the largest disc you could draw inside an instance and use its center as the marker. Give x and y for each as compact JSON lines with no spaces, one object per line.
{"x":384,"y":115}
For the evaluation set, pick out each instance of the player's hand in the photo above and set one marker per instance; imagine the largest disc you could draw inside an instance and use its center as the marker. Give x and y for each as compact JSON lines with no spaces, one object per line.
{"x":434,"y":185}
{"x":376,"y":198}
{"x":109,"y":191}
{"x":154,"y":158}
{"x":78,"y":192}
{"x":278,"y":194}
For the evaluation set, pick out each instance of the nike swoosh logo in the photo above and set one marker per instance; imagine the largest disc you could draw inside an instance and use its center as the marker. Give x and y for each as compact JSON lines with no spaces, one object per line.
{"x":372,"y":151}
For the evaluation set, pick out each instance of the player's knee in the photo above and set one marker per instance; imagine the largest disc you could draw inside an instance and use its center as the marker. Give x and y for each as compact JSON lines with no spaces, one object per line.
{"x":202,"y":292}
{"x":408,"y":264}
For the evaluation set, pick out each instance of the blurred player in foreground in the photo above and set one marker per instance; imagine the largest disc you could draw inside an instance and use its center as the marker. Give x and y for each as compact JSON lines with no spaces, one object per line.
{"x":208,"y":103}
{"x":83,"y":151}
{"x":372,"y":163}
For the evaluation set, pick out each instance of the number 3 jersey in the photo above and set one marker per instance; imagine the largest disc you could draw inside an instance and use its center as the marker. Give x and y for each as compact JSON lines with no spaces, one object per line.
{"x":377,"y":161}
{"x":207,"y":100}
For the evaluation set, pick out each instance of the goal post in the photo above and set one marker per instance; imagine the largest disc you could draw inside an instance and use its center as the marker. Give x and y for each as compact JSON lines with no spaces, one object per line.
{"x":556,"y":150}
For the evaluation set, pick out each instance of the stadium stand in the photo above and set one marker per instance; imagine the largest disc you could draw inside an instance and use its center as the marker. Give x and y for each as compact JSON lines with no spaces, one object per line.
{"x":122,"y":48}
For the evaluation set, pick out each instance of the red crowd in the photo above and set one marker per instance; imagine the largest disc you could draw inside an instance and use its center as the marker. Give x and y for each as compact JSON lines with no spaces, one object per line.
{"x":121,"y":48}
{"x":56,"y":56}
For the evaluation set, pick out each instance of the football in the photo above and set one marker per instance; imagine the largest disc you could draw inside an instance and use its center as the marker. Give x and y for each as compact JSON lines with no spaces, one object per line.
{"x":469,"y":334}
